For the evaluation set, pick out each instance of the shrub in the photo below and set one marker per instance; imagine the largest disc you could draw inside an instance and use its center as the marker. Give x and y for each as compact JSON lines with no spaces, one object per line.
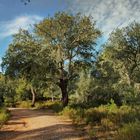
{"x":107,"y":118}
{"x":76,"y":115}
{"x":67,"y":111}
{"x":129,"y":131}
{"x":93,"y":115}
{"x":124,"y":114}
{"x":39,"y":105}
{"x":9,"y":102}
{"x":55,"y":106}
{"x":107,"y":124}
{"x":127,"y":114}
{"x":120,"y":115}
{"x":92,"y":133}
{"x":4,"y":116}
{"x":25,"y":104}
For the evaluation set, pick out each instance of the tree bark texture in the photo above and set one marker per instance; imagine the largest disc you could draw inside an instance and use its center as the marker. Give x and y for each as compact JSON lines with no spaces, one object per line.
{"x":63,"y":87}
{"x":33,"y":97}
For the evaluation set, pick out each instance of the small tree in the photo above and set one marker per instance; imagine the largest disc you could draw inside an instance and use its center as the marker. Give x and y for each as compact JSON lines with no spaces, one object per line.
{"x":21,"y":60}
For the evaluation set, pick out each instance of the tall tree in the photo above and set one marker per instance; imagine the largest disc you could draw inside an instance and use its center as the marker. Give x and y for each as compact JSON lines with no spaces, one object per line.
{"x":71,"y":41}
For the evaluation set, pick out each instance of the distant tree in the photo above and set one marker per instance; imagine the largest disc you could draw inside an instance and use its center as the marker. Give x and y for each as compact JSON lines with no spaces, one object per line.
{"x":21,"y":60}
{"x":123,"y":51}
{"x":125,"y":47}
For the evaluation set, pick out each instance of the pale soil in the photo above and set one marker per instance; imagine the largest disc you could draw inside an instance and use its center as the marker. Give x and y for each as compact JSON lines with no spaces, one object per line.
{"x":27,"y":124}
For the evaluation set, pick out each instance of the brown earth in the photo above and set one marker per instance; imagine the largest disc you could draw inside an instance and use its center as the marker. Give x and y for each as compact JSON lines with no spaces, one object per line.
{"x":27,"y":124}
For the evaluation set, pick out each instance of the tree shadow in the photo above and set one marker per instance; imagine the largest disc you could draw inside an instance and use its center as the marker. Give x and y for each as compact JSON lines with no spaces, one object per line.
{"x":15,"y":123}
{"x":54,"y":132}
{"x":63,"y":130}
{"x":20,"y":113}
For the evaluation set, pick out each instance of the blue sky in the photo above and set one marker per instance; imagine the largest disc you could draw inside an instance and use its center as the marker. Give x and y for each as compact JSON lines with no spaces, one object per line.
{"x":14,"y":15}
{"x":108,"y":14}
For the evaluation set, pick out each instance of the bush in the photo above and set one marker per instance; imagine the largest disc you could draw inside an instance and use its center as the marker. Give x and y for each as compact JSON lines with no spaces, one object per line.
{"x":55,"y":106}
{"x":76,"y":115}
{"x":129,"y":131}
{"x":4,"y":116}
{"x":9,"y":102}
{"x":92,"y":133}
{"x":124,"y":114}
{"x":107,"y":124}
{"x":118,"y":115}
{"x":25,"y":104}
{"x":108,"y":118}
{"x":67,"y":111}
{"x":93,"y":115}
{"x":127,"y":114}
{"x":39,"y":105}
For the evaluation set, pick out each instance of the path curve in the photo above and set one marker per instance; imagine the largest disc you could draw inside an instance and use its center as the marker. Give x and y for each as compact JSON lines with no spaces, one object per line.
{"x":27,"y":124}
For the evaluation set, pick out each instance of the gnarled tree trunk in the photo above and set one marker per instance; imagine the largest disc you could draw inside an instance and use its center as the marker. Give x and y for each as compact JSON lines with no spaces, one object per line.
{"x":33,"y":97}
{"x":63,"y":85}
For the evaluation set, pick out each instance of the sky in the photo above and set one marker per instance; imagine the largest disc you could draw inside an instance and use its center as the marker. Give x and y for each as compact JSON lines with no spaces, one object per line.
{"x":108,"y":14}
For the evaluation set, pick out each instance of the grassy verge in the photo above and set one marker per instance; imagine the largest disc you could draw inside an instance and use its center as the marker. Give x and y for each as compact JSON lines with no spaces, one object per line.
{"x":130,"y":131}
{"x":108,"y":121}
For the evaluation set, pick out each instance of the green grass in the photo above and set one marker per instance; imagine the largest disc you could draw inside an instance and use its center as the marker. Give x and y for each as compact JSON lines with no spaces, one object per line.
{"x":108,"y":118}
{"x":129,"y":131}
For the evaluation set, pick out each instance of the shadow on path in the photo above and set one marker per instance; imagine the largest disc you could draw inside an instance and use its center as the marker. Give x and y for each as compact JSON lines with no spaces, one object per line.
{"x":55,"y":132}
{"x":26,"y":124}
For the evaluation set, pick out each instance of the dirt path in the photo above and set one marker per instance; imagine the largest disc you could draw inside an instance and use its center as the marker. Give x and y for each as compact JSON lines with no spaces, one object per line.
{"x":26,"y":124}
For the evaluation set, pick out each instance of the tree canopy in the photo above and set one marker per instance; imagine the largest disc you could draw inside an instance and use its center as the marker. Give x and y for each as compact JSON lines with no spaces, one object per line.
{"x":57,"y":49}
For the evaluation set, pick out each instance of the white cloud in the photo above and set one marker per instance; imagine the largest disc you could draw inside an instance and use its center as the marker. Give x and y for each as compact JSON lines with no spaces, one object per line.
{"x":8,"y":28}
{"x":109,"y":14}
